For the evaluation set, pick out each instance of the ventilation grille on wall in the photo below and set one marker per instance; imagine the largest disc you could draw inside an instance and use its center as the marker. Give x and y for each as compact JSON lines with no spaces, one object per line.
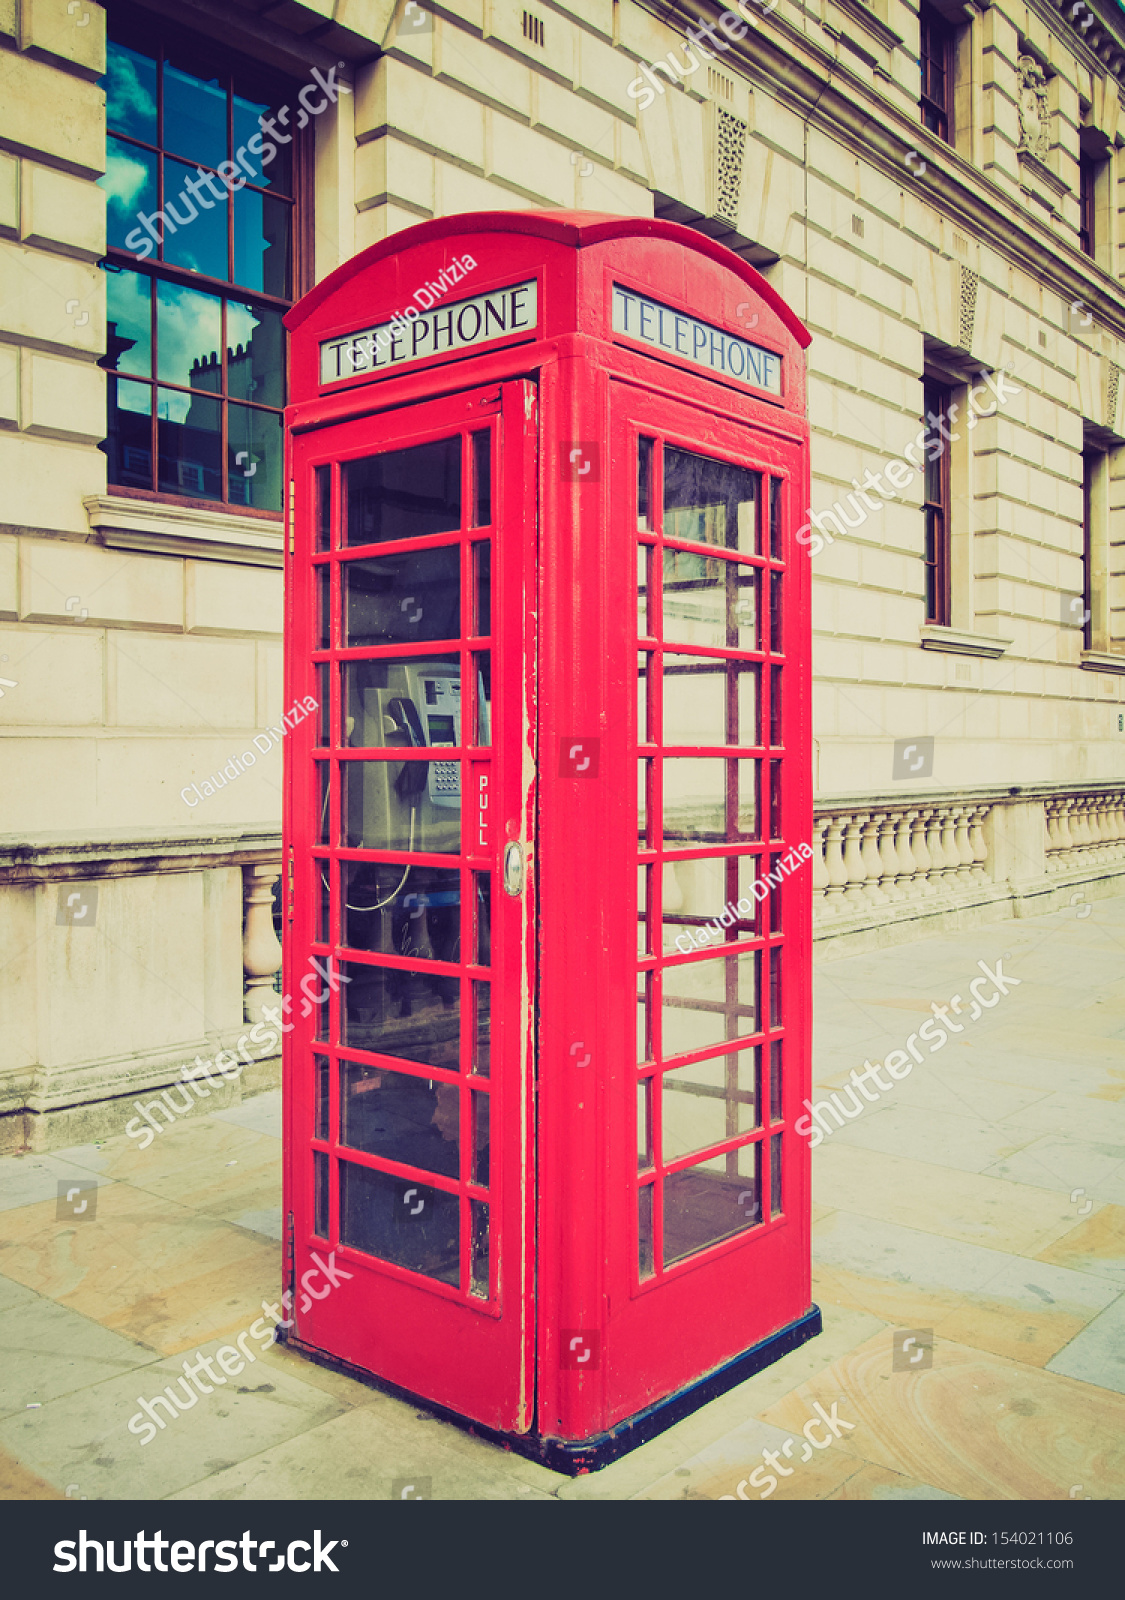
{"x":533,"y":28}
{"x":719,"y":85}
{"x":960,"y":243}
{"x":728,"y":152}
{"x":1112,"y":382}
{"x":857,"y":226}
{"x":969,"y":282}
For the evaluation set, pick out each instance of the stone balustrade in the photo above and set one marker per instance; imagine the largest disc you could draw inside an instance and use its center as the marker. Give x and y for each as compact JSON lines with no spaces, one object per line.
{"x":891,"y":859}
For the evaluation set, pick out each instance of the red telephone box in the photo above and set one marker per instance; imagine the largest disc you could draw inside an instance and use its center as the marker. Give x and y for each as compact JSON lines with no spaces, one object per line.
{"x":544,"y":833}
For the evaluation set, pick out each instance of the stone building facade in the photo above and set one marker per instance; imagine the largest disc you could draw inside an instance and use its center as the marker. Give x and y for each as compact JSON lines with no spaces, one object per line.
{"x":935,"y":191}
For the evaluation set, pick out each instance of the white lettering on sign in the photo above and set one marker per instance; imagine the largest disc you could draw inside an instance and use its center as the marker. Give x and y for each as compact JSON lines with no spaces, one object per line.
{"x":482,"y":831}
{"x":460,"y":326}
{"x":702,"y":344}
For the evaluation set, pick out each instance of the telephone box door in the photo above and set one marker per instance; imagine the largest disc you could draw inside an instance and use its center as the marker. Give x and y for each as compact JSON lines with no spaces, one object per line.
{"x":409,"y":1181}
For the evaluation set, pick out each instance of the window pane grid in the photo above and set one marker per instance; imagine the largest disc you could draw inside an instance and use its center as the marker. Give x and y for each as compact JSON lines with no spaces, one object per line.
{"x":709,"y":619}
{"x":411,"y":916}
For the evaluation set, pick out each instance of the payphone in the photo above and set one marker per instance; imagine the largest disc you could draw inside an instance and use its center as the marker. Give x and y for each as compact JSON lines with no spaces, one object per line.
{"x":544,"y":583}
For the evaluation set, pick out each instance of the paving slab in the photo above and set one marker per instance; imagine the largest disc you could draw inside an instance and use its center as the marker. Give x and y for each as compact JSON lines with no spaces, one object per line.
{"x":1097,"y":1354}
{"x":50,"y":1351}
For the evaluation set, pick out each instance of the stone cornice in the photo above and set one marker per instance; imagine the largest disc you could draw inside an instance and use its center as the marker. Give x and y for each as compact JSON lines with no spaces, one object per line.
{"x":52,"y":857}
{"x":802,"y":73}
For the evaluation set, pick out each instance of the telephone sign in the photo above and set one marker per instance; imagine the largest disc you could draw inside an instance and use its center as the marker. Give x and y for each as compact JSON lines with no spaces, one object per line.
{"x":543,"y":585}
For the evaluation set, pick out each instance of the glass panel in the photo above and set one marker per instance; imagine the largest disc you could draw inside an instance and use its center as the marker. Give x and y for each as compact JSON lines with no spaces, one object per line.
{"x":776,"y":893}
{"x":482,"y":1027}
{"x":480,"y":1112}
{"x":776,"y":616}
{"x":482,"y":735}
{"x":322,"y":1094}
{"x":708,"y":601}
{"x":401,"y":702}
{"x":264,"y":169}
{"x":478,"y":1217}
{"x":255,"y":458}
{"x":414,"y":1015}
{"x":318,"y":1005}
{"x":709,"y":702}
{"x":320,"y":1183}
{"x":644,"y":988}
{"x":775,"y":1081}
{"x":706,"y":1002}
{"x":130,"y":92}
{"x":642,"y":800}
{"x":644,"y":732}
{"x":322,"y":537}
{"x":195,"y":116}
{"x":400,"y":1117}
{"x":324,"y":781}
{"x":404,"y":494}
{"x":710,"y":1202}
{"x":403,"y":598}
{"x":189,"y":444}
{"x":642,"y":911}
{"x":644,"y":1123}
{"x":401,"y":1221}
{"x":402,"y":911}
{"x":775,"y":987}
{"x":482,"y":481}
{"x":482,"y":918}
{"x":775,"y":706}
{"x":324,"y":607}
{"x":776,"y":548}
{"x":256,"y":362}
{"x":189,"y":337}
{"x":322,"y":884}
{"x":129,"y":433}
{"x":699,"y":791}
{"x":709,"y":1102}
{"x":401,"y":805}
{"x":775,"y":1175}
{"x":644,"y":1230}
{"x":482,"y":579}
{"x":645,"y":621}
{"x":707,"y":891}
{"x":195,"y":225}
{"x":128,"y":312}
{"x":710,"y":502}
{"x":130,"y":186}
{"x":775,"y":799}
{"x":261,"y":242}
{"x":644,"y":486}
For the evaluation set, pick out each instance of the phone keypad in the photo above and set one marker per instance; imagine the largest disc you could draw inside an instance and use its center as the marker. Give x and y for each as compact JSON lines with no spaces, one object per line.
{"x":446,"y":778}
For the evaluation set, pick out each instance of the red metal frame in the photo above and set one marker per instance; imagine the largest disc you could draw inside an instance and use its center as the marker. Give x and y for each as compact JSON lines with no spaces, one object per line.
{"x":607,"y":1341}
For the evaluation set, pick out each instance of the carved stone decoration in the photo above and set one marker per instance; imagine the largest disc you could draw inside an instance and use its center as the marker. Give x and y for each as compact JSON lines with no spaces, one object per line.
{"x":1035,"y":132}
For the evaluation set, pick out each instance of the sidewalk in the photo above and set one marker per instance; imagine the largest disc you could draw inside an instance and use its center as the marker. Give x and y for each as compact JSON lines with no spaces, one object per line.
{"x":981,"y":1197}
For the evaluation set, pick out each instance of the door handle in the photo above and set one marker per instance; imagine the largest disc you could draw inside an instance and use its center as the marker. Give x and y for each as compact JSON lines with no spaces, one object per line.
{"x":513,"y":868}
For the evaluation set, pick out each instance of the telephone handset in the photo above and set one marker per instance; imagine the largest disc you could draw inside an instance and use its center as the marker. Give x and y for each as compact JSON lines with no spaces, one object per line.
{"x":419,"y":707}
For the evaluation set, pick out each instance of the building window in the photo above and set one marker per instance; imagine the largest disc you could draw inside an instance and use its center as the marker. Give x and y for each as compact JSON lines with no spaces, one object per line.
{"x":936,"y":56}
{"x":936,"y":506}
{"x":1087,"y":190}
{"x":202,"y":172}
{"x":1091,"y":467}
